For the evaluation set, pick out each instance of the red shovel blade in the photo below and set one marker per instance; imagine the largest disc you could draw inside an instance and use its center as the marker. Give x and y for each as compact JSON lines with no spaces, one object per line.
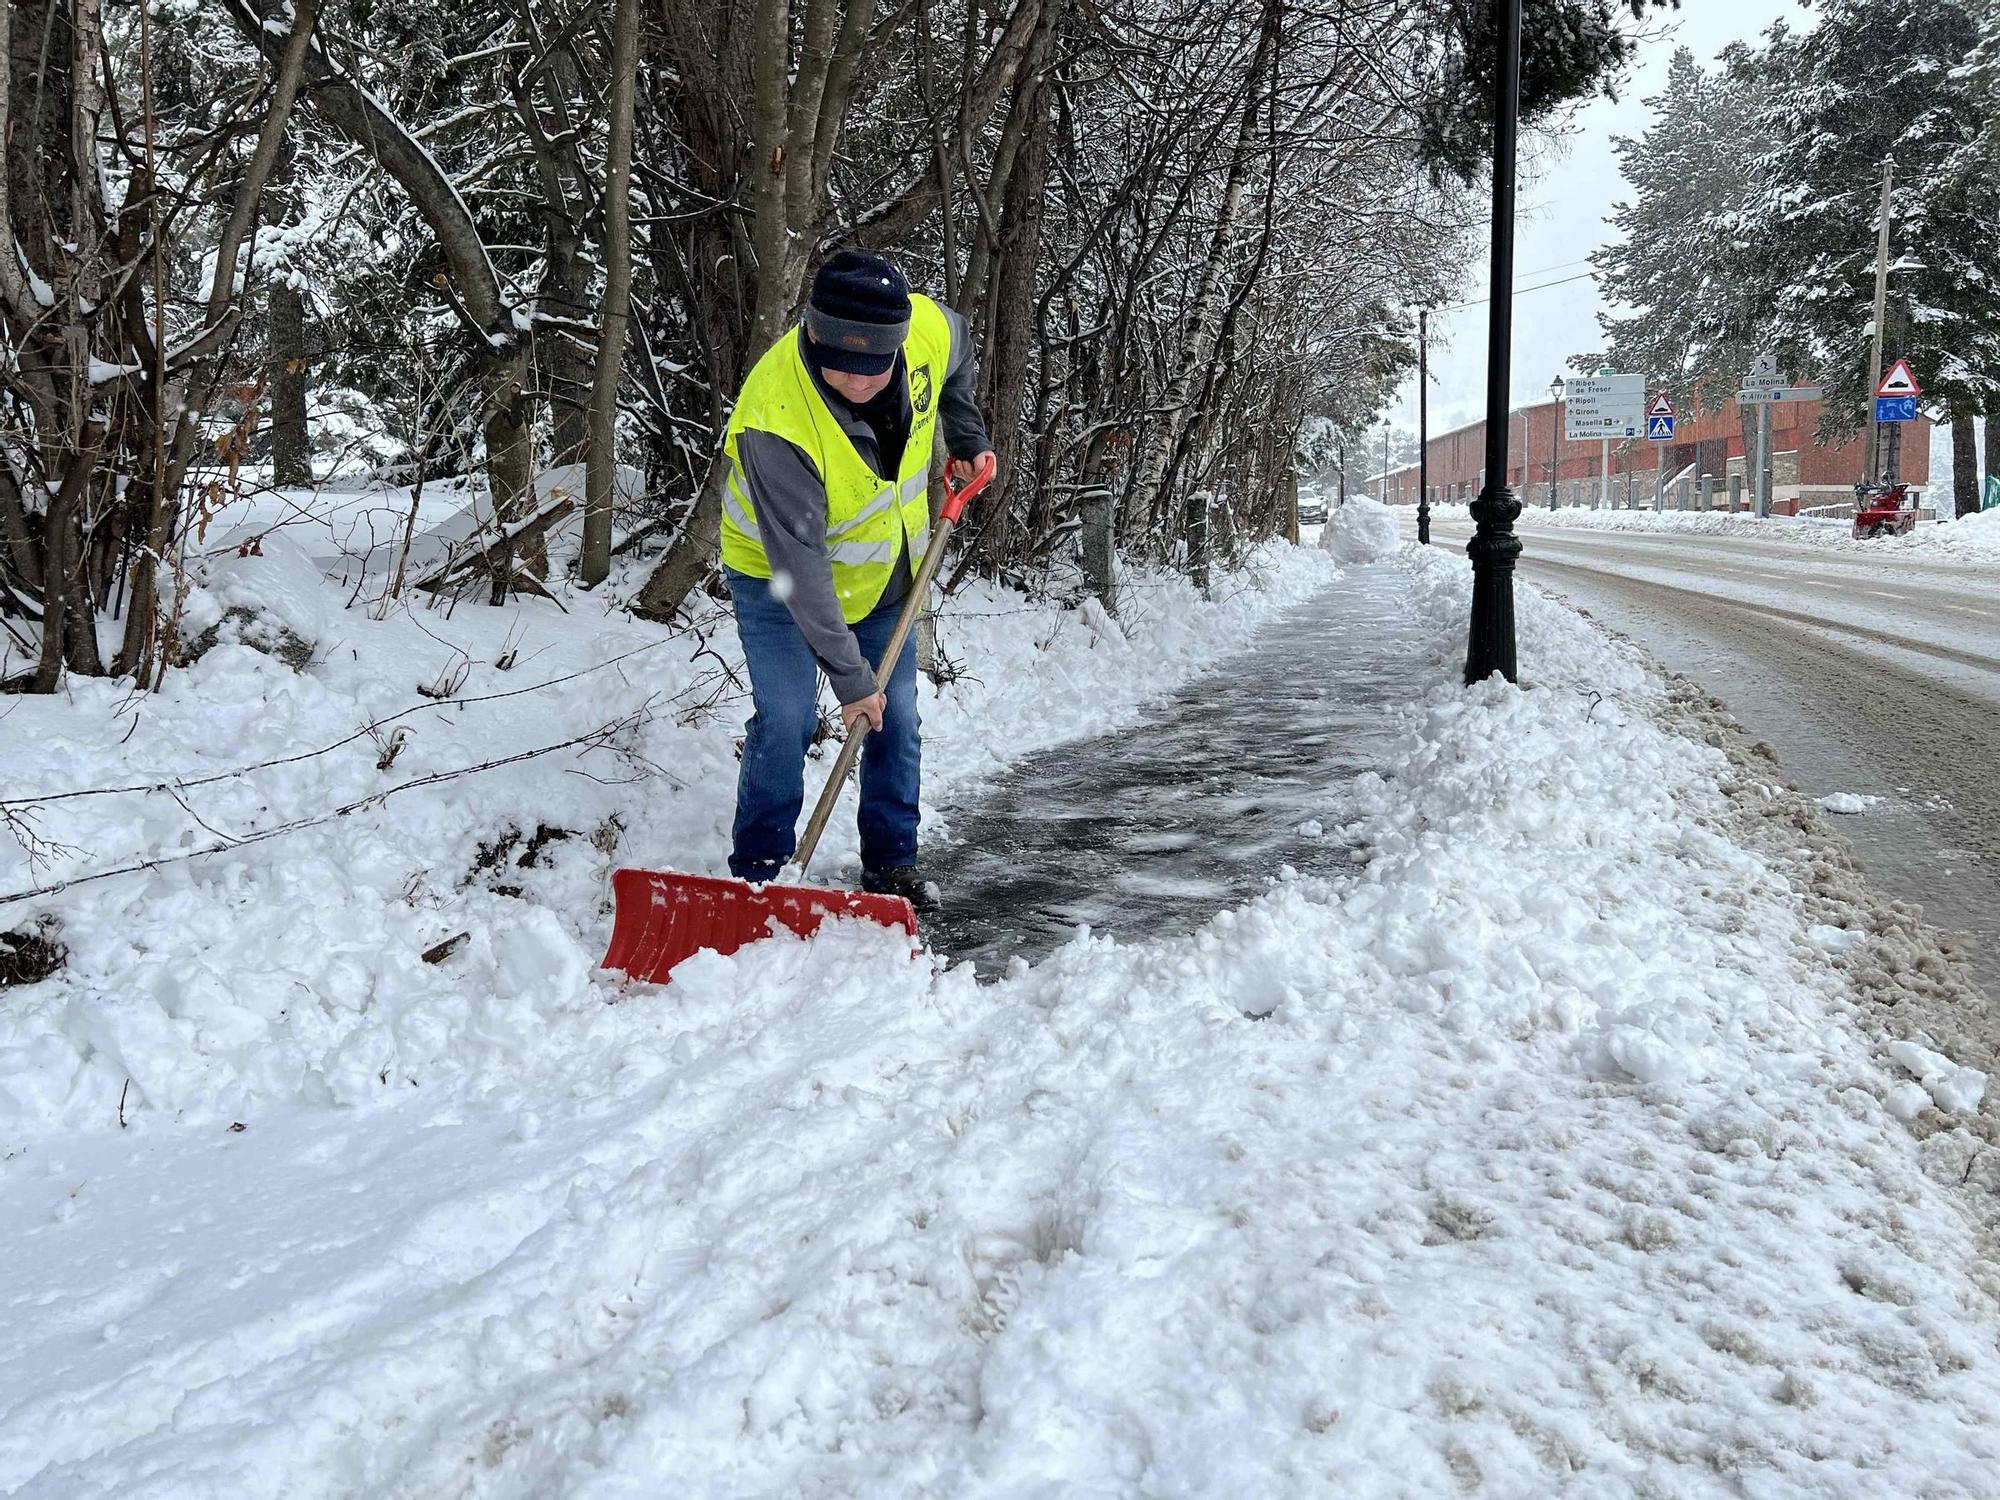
{"x":663,"y":917}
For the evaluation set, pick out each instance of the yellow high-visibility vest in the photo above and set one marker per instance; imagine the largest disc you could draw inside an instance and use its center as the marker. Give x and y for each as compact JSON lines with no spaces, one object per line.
{"x":869,"y":517}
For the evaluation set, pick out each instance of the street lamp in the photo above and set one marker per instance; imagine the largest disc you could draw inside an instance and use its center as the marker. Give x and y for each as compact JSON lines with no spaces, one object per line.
{"x":1424,"y":426}
{"x":1489,"y":646}
{"x":1555,"y":428}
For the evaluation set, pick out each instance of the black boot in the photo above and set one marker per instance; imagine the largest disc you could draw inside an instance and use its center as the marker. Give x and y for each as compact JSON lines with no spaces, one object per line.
{"x":906,"y":881}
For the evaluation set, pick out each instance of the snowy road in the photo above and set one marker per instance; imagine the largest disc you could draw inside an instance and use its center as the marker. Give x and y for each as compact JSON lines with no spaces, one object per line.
{"x":1877,"y":675}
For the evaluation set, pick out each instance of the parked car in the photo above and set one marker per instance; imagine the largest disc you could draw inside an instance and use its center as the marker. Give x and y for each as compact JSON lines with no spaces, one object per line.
{"x":1884,"y":510}
{"x":1312,"y":512}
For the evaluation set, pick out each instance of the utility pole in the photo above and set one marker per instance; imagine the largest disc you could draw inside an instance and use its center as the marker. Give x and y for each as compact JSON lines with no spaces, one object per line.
{"x":1385,"y":460}
{"x":1494,"y":548}
{"x":1873,"y":467}
{"x":1424,"y":426}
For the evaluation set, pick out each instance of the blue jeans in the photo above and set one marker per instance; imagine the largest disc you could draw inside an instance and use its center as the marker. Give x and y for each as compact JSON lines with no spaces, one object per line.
{"x":784,"y":691}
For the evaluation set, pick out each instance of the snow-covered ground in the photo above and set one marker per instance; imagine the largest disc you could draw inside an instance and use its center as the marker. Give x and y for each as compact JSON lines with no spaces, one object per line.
{"x":1550,"y":1152}
{"x":434,"y":772}
{"x":1973,"y":539}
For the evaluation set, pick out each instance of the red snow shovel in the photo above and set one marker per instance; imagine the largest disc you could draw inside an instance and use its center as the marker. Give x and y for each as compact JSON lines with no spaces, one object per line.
{"x":664,"y":916}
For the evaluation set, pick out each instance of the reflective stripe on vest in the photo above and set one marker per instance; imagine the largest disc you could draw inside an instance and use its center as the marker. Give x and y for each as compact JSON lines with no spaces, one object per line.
{"x":870,"y":519}
{"x":736,"y":504}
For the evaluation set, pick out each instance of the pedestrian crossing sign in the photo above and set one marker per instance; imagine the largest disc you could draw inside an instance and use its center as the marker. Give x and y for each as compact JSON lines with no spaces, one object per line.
{"x":1659,"y":429}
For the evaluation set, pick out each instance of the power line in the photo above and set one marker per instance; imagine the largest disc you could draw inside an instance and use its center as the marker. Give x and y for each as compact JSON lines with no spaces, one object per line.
{"x":1522,"y":290}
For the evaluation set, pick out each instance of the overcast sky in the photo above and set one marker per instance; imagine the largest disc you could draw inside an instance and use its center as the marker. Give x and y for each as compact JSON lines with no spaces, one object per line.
{"x":1562,"y":219}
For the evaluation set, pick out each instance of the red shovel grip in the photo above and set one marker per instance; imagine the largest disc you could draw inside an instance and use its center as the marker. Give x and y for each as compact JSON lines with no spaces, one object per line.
{"x":956,"y":496}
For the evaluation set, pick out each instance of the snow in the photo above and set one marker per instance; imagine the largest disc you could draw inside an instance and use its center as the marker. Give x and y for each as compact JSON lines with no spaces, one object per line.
{"x":1361,"y":530}
{"x":1974,"y":539}
{"x":1848,"y":802}
{"x":1543,"y":1154}
{"x":290,"y":970}
{"x":1949,"y":1086}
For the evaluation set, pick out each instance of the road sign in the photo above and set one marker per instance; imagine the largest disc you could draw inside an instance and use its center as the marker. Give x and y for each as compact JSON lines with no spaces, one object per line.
{"x":1898,"y":382}
{"x":1661,"y":406}
{"x":1895,"y":408}
{"x":1605,"y":406}
{"x":1763,"y":370}
{"x":1659,"y":429}
{"x":1764,"y":395}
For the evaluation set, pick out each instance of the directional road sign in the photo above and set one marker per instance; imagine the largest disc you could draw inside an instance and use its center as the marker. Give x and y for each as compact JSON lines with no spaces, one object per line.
{"x":1895,"y":408}
{"x":1898,"y":382}
{"x":1764,"y":395}
{"x":1660,"y":419}
{"x":1605,"y":406}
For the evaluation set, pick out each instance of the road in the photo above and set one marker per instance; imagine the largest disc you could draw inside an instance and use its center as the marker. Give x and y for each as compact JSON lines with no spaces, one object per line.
{"x":1871,"y":674}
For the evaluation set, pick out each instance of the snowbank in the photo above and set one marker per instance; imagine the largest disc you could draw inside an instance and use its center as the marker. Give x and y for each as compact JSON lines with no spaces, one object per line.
{"x":1973,"y":539}
{"x":1537,"y":1157}
{"x":379,"y":787}
{"x":1360,"y":531}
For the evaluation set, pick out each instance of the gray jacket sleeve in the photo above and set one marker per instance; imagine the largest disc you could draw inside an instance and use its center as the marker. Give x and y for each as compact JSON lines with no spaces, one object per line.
{"x":790,"y":501}
{"x":965,"y":434}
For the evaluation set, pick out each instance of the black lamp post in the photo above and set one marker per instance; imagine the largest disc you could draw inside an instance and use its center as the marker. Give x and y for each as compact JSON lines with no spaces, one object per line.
{"x":1489,"y":646}
{"x":1424,"y":425}
{"x":1555,"y":432}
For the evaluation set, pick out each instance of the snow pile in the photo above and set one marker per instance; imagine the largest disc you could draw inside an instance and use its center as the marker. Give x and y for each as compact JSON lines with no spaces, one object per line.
{"x":337,"y":761}
{"x":1848,"y":802}
{"x":1360,"y":531}
{"x":1968,"y":539}
{"x":1974,"y":539}
{"x":1534,"y":1158}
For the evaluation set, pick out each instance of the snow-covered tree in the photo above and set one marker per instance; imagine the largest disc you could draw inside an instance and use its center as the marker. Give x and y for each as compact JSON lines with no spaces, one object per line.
{"x":1878,"y":79}
{"x":1686,"y":320}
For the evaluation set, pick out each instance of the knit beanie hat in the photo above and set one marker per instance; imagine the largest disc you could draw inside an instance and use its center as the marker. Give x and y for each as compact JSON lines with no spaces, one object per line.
{"x":859,"y":313}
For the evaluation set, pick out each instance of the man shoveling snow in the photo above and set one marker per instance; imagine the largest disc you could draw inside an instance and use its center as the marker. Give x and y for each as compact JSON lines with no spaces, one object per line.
{"x":825,"y":511}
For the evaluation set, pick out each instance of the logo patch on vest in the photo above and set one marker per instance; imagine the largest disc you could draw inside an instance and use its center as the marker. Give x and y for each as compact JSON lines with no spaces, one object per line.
{"x":920,"y":389}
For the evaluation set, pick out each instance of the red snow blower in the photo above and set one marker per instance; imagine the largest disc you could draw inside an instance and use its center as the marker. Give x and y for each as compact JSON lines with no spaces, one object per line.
{"x":663,"y":916}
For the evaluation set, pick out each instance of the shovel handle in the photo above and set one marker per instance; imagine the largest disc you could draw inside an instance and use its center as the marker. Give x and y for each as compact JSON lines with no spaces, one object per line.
{"x":955,"y":498}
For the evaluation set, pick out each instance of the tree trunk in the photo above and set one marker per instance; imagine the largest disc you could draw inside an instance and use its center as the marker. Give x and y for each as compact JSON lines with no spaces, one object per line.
{"x":189,"y":393}
{"x":291,"y":437}
{"x":1164,"y":440}
{"x":1964,"y":460}
{"x":360,"y":117}
{"x":599,"y":485}
{"x":797,"y":118}
{"x":1016,"y":307}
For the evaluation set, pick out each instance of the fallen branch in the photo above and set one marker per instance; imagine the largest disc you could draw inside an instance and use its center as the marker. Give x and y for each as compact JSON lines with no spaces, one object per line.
{"x":603,"y":733}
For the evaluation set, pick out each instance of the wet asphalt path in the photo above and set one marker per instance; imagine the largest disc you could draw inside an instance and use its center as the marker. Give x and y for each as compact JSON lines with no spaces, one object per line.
{"x":1875,"y":675}
{"x":1152,"y":830}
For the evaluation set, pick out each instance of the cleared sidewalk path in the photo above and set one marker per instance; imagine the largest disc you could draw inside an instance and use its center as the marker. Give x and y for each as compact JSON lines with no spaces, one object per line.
{"x":1155,"y":828}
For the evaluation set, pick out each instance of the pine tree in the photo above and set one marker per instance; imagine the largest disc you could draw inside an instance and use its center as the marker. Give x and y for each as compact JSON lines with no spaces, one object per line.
{"x":1875,"y":79}
{"x":1691,"y":326}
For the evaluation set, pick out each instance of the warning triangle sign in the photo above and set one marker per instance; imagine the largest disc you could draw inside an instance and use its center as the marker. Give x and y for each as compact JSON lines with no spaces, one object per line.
{"x":1899,"y":381}
{"x":1662,"y":407}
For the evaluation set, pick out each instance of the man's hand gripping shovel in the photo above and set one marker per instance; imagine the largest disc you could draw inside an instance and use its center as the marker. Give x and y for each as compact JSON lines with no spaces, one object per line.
{"x":663,"y":916}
